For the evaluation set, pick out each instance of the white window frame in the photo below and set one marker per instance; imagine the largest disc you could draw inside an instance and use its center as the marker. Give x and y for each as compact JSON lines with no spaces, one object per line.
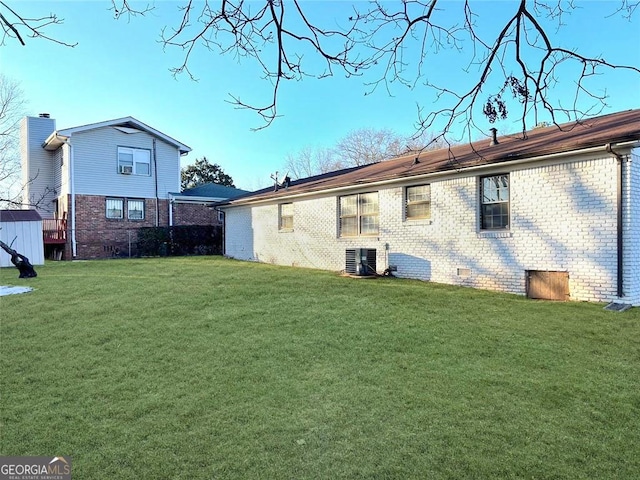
{"x":112,"y":202}
{"x":411,"y":201}
{"x":285,"y":217}
{"x":362,"y":214}
{"x":134,"y":201}
{"x":498,"y":197}
{"x":138,"y":164}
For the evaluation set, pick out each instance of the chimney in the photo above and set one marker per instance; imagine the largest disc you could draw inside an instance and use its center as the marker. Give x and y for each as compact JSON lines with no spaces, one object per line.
{"x":494,"y":136}
{"x":44,"y":115}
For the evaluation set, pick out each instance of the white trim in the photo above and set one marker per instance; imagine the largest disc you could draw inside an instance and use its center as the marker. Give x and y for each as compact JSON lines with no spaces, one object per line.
{"x":54,"y":140}
{"x":139,"y":156}
{"x":128,"y":130}
{"x":195,"y":199}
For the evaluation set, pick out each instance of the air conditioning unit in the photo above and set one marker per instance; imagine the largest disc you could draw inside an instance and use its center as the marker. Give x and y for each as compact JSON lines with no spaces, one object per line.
{"x":126,"y":169}
{"x":360,"y":261}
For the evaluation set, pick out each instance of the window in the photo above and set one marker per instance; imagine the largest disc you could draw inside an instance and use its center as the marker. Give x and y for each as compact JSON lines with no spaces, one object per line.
{"x":359,"y":214}
{"x":114,"y":208}
{"x":134,"y":161}
{"x":135,"y":209}
{"x":418,"y":202}
{"x":286,"y":216}
{"x":494,"y":194}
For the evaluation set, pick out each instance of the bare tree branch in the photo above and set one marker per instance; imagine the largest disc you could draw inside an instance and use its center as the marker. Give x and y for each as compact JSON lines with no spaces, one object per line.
{"x":13,"y":23}
{"x":395,"y":42}
{"x":12,"y":108}
{"x":122,"y":8}
{"x":12,"y":190}
{"x":513,"y":59}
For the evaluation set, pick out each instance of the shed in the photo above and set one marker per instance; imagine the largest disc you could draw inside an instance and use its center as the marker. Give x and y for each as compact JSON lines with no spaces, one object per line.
{"x":22,"y":230}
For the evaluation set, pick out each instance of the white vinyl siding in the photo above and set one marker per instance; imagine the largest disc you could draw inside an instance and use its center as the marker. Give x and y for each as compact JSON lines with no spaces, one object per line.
{"x":25,"y":237}
{"x":38,"y":165}
{"x":95,"y":163}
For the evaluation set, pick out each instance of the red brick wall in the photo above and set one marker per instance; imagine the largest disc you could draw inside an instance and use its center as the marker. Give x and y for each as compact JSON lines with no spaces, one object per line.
{"x":192,"y":214}
{"x":100,"y":237}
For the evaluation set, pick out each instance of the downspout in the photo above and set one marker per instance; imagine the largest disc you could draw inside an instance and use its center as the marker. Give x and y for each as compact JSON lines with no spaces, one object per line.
{"x":224,"y":231}
{"x":171,"y":200}
{"x":620,"y":246}
{"x":74,"y":247}
{"x":155,"y":174}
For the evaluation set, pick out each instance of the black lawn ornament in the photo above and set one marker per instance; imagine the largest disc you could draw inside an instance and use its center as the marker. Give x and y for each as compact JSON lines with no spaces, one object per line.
{"x":21,"y":262}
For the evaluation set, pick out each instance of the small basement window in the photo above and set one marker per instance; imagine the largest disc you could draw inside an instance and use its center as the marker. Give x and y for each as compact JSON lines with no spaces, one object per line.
{"x":135,"y":209}
{"x":114,"y":208}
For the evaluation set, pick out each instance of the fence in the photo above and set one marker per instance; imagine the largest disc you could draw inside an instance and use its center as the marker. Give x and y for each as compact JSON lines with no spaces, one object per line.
{"x":180,"y":240}
{"x":150,"y":242}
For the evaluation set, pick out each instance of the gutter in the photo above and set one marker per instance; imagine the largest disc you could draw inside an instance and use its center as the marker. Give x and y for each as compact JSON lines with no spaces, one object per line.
{"x":197,"y":200}
{"x":271,"y":199}
{"x":224,"y":232}
{"x":620,"y":230}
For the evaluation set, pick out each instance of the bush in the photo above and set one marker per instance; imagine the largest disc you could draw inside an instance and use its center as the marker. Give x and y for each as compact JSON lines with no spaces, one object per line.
{"x":180,"y":240}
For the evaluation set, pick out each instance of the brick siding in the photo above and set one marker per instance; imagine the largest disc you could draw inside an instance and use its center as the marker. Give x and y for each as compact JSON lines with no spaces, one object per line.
{"x":563,"y":218}
{"x":100,"y":237}
{"x":194,"y":214}
{"x":631,"y":223}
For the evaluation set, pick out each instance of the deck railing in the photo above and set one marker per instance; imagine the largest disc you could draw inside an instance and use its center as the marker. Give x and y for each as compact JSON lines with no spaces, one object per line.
{"x":54,"y":231}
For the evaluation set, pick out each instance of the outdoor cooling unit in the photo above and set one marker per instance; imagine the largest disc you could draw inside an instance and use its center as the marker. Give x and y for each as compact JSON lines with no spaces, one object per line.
{"x":360,"y":261}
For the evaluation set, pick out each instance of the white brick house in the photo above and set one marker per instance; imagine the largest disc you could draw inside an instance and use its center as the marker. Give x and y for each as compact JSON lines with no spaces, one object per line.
{"x":562,"y":204}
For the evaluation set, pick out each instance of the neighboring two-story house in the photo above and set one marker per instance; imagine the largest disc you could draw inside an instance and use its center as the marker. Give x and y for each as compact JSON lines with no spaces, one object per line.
{"x":555,"y":214}
{"x":96,"y":185}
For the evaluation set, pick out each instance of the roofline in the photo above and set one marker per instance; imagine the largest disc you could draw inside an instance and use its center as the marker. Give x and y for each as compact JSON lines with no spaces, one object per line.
{"x":537,"y":158}
{"x":64,"y":134}
{"x":195,"y":199}
{"x":54,"y":141}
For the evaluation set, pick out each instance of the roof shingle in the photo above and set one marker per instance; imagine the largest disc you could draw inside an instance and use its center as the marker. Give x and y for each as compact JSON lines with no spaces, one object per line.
{"x":599,"y":131}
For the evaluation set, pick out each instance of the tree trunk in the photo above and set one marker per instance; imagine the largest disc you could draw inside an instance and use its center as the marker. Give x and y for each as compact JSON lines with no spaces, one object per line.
{"x":21,"y":262}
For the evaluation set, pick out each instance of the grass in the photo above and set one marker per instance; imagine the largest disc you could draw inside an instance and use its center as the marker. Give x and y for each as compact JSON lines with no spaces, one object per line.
{"x":210,"y":368}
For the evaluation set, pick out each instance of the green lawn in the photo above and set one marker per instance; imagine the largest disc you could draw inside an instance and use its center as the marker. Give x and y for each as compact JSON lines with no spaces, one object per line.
{"x":204,"y":367}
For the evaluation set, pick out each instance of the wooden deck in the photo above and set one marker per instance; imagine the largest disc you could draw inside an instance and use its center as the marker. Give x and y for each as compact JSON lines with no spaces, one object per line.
{"x":54,"y":231}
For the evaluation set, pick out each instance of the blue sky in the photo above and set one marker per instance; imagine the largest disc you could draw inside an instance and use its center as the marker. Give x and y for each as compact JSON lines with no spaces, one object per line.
{"x":120,"y":69}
